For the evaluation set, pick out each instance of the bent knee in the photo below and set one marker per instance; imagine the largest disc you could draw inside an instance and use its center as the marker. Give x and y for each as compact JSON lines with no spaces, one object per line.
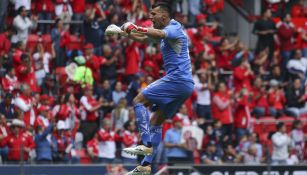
{"x":140,"y":99}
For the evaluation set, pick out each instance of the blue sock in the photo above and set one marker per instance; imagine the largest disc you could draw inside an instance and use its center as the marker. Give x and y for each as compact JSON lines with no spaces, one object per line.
{"x":142,"y":120}
{"x":156,"y":138}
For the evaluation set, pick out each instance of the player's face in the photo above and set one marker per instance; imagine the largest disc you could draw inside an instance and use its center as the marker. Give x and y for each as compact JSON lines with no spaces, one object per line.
{"x":157,"y":17}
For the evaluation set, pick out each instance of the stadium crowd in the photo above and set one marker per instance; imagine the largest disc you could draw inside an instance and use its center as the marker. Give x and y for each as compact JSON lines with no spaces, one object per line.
{"x":67,"y":90}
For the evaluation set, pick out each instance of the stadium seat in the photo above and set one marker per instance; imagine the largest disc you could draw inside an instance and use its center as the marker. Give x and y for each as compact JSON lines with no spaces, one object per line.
{"x":47,"y":41}
{"x":268,"y":124}
{"x":32,"y":42}
{"x":84,"y":158}
{"x":75,"y":43}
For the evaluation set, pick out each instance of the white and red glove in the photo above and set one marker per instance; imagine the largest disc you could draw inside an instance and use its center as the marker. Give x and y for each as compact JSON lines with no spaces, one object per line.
{"x":129,"y":27}
{"x":113,"y":29}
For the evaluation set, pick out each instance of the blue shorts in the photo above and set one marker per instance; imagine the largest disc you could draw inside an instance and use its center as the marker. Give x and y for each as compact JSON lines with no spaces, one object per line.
{"x":168,"y":96}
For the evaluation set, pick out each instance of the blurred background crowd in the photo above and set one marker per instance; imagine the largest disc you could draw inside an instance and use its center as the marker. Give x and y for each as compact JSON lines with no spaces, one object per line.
{"x":67,"y":90}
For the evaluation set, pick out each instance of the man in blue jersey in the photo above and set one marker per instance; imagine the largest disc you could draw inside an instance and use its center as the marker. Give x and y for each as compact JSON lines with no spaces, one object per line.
{"x":166,"y":94}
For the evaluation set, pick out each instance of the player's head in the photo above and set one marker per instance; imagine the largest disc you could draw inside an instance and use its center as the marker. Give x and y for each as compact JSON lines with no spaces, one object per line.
{"x":160,"y":15}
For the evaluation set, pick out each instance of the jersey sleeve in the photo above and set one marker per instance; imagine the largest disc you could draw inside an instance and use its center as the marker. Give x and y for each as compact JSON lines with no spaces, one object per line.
{"x":172,"y":31}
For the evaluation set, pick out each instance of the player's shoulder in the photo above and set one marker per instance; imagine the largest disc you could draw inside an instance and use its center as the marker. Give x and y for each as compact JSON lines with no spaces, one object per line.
{"x":174,"y":24}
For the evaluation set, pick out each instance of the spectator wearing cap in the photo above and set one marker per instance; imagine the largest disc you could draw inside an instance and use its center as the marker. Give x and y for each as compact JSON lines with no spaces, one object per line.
{"x":89,"y":113}
{"x":7,"y":107}
{"x":17,"y":142}
{"x":26,"y":104}
{"x":64,"y":143}
{"x":295,"y":97}
{"x":10,"y":82}
{"x":221,"y":109}
{"x":107,"y":139}
{"x":265,"y":29}
{"x":276,"y":99}
{"x":175,"y":149}
{"x":119,"y":115}
{"x":44,"y":145}
{"x":25,"y":72}
{"x":297,"y":66}
{"x":4,"y":132}
{"x":92,"y":61}
{"x":129,"y":138}
{"x":281,"y":142}
{"x":5,"y":37}
{"x":23,"y":24}
{"x":285,"y":33}
{"x":203,"y":88}
{"x":43,"y":119}
{"x":83,"y":75}
{"x":211,"y":157}
{"x":41,"y":60}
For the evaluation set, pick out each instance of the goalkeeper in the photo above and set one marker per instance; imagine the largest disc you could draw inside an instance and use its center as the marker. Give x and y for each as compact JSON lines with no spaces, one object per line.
{"x":167,"y":93}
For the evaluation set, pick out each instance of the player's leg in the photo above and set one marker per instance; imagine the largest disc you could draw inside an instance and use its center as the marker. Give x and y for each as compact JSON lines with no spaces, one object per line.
{"x":155,"y":134}
{"x":142,"y":120}
{"x":156,"y":137}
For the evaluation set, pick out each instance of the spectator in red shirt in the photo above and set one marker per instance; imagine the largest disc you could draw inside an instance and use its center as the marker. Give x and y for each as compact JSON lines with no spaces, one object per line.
{"x":64,"y":143}
{"x":225,"y":53}
{"x":285,"y":33}
{"x":243,"y":75}
{"x":89,"y":113}
{"x":260,"y":98}
{"x":213,"y":7}
{"x":92,"y":61}
{"x":129,"y":138}
{"x":78,"y":7}
{"x":133,"y":59}
{"x":276,"y":99}
{"x":26,"y":104}
{"x":45,"y":10}
{"x":4,"y":132}
{"x":10,"y":83}
{"x":107,"y":139}
{"x":19,"y":50}
{"x":5,"y":43}
{"x":17,"y":142}
{"x":25,"y":73}
{"x":242,"y":114}
{"x":304,"y":40}
{"x":221,"y":109}
{"x":92,"y":148}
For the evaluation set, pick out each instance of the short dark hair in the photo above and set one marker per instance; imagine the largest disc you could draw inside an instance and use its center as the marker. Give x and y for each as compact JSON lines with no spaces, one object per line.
{"x":20,"y":9}
{"x":164,"y":6}
{"x":280,"y":125}
{"x":24,"y":56}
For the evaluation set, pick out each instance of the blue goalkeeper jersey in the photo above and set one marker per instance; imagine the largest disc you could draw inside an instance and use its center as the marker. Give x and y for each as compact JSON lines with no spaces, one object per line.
{"x":174,"y":48}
